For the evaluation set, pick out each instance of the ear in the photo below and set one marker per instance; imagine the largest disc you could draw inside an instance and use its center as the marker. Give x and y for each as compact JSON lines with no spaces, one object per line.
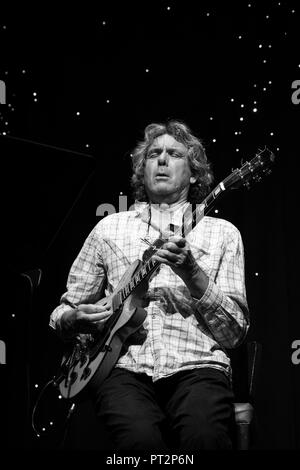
{"x":193,"y":179}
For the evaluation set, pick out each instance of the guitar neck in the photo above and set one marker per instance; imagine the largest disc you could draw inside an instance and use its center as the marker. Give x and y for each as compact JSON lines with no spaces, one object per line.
{"x":192,"y":216}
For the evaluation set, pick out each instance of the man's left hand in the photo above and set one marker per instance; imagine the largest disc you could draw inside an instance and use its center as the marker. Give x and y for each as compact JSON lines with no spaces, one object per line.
{"x":177,"y":254}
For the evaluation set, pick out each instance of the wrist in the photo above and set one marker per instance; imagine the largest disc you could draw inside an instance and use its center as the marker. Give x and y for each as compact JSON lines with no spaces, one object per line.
{"x":196,"y":281}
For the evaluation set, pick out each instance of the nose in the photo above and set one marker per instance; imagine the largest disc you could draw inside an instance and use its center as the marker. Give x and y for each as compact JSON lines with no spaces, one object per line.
{"x":163,"y":158}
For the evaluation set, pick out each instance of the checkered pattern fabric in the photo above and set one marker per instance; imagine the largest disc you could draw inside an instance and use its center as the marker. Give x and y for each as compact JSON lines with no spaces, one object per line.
{"x":182,"y":332}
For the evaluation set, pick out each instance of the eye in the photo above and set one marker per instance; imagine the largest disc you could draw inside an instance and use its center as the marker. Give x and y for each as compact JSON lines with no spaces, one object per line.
{"x":177,"y":155}
{"x":151,"y":155}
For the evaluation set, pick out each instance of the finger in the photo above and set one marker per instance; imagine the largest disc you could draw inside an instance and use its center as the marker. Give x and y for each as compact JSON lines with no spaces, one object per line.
{"x":167,"y":255}
{"x":92,"y":309}
{"x":179,"y":241}
{"x":162,"y":260}
{"x":170,"y":246}
{"x":88,"y":318}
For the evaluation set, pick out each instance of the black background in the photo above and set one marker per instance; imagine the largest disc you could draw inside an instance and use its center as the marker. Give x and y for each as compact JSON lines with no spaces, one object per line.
{"x":196,"y":65}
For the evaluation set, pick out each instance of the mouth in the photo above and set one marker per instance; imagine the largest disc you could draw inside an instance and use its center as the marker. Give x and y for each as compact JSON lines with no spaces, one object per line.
{"x":162,"y":175}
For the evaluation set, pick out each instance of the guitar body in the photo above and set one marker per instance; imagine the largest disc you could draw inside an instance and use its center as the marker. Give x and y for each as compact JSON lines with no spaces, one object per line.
{"x":101,"y":353}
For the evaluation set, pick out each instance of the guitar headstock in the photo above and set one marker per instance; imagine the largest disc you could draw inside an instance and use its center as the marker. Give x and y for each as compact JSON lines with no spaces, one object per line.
{"x":251,"y":172}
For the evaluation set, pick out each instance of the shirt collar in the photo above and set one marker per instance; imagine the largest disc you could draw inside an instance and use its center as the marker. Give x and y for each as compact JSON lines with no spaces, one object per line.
{"x":174,"y":210}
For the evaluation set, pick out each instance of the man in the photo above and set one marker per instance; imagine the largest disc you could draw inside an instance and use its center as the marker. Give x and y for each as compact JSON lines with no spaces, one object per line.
{"x":171,"y":390}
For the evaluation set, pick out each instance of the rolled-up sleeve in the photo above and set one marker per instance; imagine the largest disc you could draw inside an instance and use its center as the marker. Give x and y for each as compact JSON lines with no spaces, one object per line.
{"x":223,"y":305}
{"x":86,"y":280}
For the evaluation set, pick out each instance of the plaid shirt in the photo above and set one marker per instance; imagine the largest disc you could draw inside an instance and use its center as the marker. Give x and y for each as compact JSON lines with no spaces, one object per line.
{"x":182,"y":332}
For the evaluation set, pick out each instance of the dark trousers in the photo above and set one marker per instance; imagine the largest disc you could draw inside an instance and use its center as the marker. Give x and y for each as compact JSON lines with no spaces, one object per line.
{"x":188,"y":411}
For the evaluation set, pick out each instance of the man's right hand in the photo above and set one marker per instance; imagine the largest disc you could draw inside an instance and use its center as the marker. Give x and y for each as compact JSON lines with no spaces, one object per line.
{"x":86,"y":318}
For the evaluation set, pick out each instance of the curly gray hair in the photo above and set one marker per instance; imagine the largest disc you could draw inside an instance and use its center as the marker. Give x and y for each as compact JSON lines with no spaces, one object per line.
{"x":200,"y":167}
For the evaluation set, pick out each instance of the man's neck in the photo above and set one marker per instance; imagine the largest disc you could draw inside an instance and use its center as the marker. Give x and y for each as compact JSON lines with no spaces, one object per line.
{"x":169,"y":206}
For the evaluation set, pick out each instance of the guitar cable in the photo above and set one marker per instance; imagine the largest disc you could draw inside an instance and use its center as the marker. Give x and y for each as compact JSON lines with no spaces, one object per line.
{"x":35,"y":408}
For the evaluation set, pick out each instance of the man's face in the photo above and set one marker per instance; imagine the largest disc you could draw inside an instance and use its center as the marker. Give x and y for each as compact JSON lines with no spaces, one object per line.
{"x":167,"y":173}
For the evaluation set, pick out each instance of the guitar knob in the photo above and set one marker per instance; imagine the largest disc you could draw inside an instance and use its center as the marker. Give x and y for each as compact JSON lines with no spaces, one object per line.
{"x":86,"y":373}
{"x":71,"y":379}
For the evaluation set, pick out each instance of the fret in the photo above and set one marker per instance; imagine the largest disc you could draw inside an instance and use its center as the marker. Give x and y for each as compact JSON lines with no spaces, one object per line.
{"x":209,"y":200}
{"x":144,"y":271}
{"x":151,"y":264}
{"x":217,"y":191}
{"x":122,"y":294}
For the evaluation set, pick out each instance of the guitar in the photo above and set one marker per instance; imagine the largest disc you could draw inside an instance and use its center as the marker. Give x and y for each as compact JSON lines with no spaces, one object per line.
{"x":100,"y":352}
